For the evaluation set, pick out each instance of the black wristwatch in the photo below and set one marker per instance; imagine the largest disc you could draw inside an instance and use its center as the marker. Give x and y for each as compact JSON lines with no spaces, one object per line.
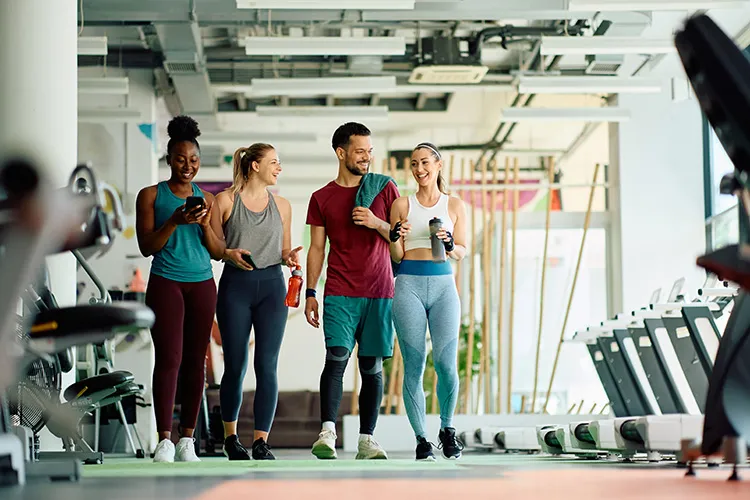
{"x":310,"y":292}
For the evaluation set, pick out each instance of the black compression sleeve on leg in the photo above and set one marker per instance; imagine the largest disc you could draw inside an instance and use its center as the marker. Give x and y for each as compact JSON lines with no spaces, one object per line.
{"x":371,"y":393}
{"x":332,"y":383}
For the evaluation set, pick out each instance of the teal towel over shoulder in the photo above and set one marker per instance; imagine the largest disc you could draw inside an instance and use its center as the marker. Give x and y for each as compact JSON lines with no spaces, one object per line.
{"x":371,"y":186}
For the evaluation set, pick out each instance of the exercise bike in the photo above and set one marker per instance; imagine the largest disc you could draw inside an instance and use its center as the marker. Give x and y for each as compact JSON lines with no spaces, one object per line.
{"x":720,"y":76}
{"x":38,"y":221}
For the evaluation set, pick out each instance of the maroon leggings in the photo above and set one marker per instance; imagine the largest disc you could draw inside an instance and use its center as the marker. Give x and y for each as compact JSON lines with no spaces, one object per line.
{"x":184,"y":318}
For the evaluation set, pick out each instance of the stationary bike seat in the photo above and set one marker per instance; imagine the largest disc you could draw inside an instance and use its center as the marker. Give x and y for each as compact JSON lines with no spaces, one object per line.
{"x":97,"y":383}
{"x":83,"y":319}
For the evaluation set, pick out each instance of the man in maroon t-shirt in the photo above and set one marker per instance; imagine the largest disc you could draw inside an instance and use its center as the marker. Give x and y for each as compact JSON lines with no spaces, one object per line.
{"x":359,"y":287}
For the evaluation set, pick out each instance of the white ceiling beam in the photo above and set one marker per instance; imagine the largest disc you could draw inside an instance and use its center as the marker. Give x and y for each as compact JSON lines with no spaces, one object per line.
{"x":589,"y":85}
{"x":326,"y":4}
{"x":109,"y":115}
{"x":107,"y":86}
{"x":325,"y":112}
{"x":92,"y":46}
{"x":653,"y":5}
{"x":324,"y":46}
{"x":590,"y":45}
{"x":515,"y":115}
{"x":361,"y":88}
{"x":243,"y":137}
{"x":297,"y":87}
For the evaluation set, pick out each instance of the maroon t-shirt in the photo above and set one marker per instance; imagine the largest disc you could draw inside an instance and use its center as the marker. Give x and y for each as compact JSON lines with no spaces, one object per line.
{"x":359,"y":259}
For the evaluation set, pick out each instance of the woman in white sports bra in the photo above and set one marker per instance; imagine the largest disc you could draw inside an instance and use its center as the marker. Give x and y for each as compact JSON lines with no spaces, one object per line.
{"x":426,"y":294}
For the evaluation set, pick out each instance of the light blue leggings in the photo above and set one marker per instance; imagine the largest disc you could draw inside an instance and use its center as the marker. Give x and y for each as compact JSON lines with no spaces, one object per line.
{"x":426,"y":295}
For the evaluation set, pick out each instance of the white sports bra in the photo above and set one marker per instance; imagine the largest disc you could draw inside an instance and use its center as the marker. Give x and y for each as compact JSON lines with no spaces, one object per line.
{"x":419,"y":217}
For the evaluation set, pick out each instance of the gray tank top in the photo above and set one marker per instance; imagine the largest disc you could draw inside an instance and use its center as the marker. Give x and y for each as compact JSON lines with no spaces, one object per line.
{"x":261,"y":233}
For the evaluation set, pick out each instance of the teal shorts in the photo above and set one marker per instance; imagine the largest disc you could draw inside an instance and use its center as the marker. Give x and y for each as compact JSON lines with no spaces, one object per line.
{"x":368,"y":322}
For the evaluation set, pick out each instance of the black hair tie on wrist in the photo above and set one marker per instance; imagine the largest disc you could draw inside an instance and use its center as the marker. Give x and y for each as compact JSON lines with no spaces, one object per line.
{"x":395,"y":232}
{"x":450,"y":243}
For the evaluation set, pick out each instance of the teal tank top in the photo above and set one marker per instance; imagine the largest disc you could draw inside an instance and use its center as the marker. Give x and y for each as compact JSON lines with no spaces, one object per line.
{"x":184,"y":258}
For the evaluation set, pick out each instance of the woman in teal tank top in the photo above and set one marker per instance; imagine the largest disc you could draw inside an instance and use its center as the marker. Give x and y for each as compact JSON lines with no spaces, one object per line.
{"x":181,"y":289}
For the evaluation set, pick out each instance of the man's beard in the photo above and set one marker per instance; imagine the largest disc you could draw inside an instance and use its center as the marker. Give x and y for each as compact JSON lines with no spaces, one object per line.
{"x":354,"y":170}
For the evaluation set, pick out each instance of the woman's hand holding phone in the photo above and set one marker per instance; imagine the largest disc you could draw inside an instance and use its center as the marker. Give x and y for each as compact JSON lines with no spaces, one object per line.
{"x":192,"y":212}
{"x":239,"y":257}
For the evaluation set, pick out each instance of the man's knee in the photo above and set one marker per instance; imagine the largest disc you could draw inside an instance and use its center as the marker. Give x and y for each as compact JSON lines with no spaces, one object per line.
{"x":336,"y":360}
{"x":370,"y":365}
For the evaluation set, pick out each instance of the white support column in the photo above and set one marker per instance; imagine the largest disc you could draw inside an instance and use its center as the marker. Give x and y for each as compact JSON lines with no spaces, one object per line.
{"x":657,"y":165}
{"x":38,"y":106}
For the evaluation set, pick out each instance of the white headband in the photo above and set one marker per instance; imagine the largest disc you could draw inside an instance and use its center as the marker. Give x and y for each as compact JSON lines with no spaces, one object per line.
{"x":423,"y":145}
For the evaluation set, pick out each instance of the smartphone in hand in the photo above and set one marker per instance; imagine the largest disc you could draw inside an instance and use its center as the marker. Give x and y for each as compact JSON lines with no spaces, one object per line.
{"x":194,"y":201}
{"x":249,"y":259}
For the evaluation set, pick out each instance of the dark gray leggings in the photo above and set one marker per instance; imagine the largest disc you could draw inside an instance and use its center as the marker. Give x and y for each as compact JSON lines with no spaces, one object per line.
{"x":251,"y":299}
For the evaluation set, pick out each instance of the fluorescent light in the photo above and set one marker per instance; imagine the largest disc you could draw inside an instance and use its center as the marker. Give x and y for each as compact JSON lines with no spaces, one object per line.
{"x":294,"y":87}
{"x":223,"y":137}
{"x":590,"y":45}
{"x":249,"y":90}
{"x":105,"y":115}
{"x":334,"y":112}
{"x":588,"y":85}
{"x":325,"y":46}
{"x":109,"y":86}
{"x":327,"y":4}
{"x":92,"y":45}
{"x":652,"y":5}
{"x":566,"y":114}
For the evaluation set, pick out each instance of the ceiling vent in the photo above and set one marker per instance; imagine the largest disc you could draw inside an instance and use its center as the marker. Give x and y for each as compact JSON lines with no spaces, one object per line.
{"x":447,"y":74}
{"x":448,"y":60}
{"x":604,"y":64}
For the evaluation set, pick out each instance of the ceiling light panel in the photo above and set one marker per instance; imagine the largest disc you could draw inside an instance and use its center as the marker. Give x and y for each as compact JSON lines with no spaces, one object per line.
{"x":588,"y":85}
{"x":327,"y":4}
{"x":300,"y":87}
{"x":653,"y":5}
{"x":565,"y":114}
{"x":92,"y":45}
{"x":331,"y":112}
{"x":325,"y":46}
{"x":108,"y":86}
{"x":593,"y":45}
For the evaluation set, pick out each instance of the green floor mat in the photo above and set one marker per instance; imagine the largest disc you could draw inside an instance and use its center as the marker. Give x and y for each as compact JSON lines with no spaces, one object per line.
{"x":222,"y":467}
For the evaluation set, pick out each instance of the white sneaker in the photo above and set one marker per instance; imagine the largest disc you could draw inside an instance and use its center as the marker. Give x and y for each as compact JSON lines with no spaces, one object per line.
{"x":369,"y":449}
{"x":186,"y":451}
{"x":164,"y":451}
{"x":325,"y":447}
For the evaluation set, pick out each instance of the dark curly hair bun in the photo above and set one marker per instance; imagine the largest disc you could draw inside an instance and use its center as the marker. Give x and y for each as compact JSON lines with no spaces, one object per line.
{"x":183,"y":128}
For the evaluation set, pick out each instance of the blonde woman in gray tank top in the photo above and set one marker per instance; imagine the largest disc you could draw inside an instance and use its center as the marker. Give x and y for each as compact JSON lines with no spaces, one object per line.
{"x":251,"y":294}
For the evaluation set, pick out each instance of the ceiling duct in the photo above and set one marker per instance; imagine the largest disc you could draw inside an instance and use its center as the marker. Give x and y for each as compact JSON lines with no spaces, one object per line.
{"x":617,"y":24}
{"x":185,"y":64}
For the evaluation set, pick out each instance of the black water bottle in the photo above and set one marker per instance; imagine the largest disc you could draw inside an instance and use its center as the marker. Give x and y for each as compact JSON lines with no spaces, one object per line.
{"x":438,"y":249}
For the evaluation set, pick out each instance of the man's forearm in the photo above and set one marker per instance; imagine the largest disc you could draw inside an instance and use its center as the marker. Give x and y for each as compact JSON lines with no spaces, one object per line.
{"x":315,"y":259}
{"x":383,"y":229}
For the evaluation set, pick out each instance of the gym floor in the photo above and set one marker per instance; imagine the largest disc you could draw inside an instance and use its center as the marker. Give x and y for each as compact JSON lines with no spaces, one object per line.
{"x":296,"y":475}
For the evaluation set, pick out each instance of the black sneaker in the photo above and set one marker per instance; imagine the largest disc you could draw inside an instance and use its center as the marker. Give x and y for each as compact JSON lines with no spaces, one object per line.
{"x":234,"y":450}
{"x":449,"y":444}
{"x":261,"y":450}
{"x":424,"y":450}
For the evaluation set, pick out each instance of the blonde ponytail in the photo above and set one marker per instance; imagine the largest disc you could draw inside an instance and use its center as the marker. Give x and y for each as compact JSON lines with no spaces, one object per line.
{"x":243,"y":159}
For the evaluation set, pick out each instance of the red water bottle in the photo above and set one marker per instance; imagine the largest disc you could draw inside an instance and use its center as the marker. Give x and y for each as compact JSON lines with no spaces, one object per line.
{"x":295,"y":288}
